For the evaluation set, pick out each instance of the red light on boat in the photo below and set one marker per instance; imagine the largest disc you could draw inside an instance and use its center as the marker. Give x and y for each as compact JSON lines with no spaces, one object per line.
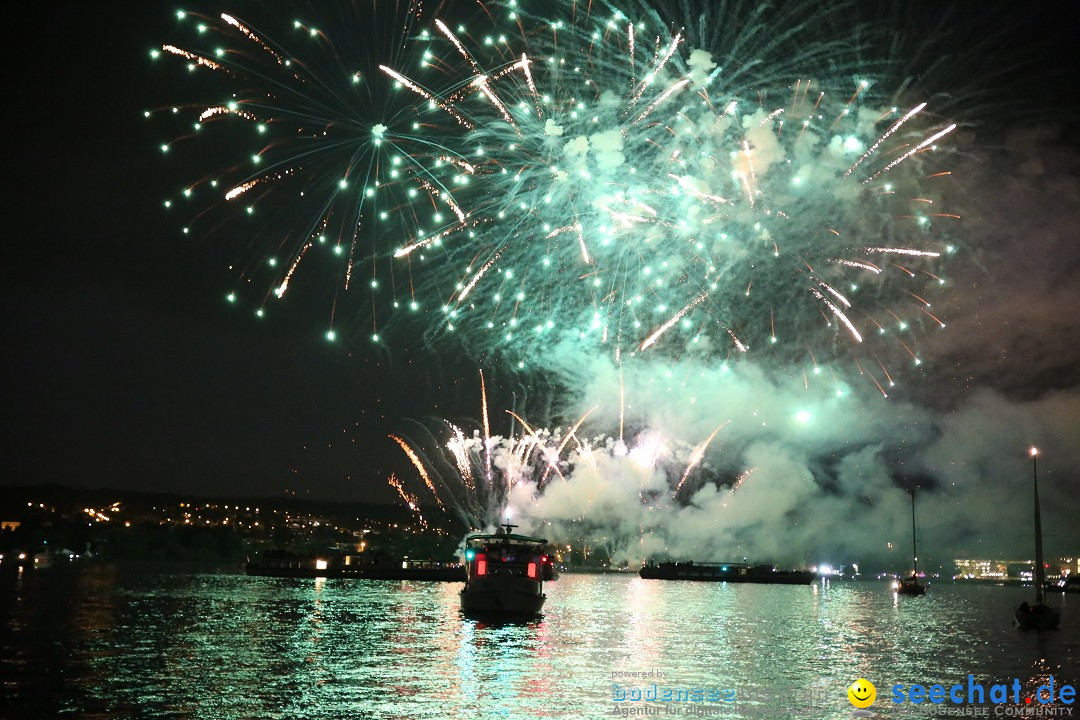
{"x":481,"y":565}
{"x":532,"y":569}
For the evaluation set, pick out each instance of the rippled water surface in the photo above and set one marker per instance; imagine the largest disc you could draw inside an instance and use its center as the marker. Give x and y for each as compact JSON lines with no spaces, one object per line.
{"x":131,"y":641}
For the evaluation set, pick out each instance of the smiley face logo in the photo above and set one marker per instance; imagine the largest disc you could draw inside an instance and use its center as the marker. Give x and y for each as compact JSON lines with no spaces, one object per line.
{"x":862,"y":693}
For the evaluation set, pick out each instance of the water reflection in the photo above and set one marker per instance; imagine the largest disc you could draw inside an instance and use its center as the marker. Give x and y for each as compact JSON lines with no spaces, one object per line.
{"x":104,"y":642}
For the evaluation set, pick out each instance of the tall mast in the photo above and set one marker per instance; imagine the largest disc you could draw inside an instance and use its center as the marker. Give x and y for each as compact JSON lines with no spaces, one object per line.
{"x":1040,"y":572}
{"x":914,"y":550}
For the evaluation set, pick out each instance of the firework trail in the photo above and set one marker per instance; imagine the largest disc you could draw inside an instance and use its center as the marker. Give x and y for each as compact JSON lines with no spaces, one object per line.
{"x":597,"y":176}
{"x":698,"y":454}
{"x":459,"y":461}
{"x":536,"y":467}
{"x":474,"y":474}
{"x":523,"y":464}
{"x":408,"y":498}
{"x":419,"y":465}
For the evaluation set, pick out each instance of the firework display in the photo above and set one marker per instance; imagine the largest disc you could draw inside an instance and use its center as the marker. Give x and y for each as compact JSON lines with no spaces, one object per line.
{"x":559,"y":185}
{"x":592,"y":176}
{"x":477,"y":472}
{"x":482,"y":477}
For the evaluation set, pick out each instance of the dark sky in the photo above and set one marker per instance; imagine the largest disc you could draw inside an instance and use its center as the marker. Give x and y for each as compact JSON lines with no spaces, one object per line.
{"x":126,"y":368}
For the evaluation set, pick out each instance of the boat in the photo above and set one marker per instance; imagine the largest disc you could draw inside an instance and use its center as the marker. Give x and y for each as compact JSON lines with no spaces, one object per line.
{"x":911,"y":586}
{"x":367,"y":566}
{"x":1039,"y":616}
{"x":725,"y":572}
{"x":1069,"y":584}
{"x":22,"y":560}
{"x":547,"y":565}
{"x":504,"y":574}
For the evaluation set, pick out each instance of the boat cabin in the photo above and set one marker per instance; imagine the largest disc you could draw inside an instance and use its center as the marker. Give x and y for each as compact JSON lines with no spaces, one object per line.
{"x":504,"y":573}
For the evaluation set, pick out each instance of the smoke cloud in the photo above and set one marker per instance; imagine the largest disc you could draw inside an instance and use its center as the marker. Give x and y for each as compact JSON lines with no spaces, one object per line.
{"x":816,"y":467}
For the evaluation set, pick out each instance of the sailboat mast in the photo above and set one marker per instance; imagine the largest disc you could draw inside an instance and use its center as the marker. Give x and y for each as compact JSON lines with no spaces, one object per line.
{"x":914,"y":550}
{"x":1040,"y":572}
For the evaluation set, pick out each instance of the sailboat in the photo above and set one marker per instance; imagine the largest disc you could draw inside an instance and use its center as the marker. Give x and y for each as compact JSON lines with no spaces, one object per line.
{"x":911,"y":585}
{"x":1039,"y":616}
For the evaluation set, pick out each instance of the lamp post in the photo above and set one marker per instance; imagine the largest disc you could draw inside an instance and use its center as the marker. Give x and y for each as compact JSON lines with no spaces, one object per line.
{"x":1039,"y":616}
{"x":1039,"y":571}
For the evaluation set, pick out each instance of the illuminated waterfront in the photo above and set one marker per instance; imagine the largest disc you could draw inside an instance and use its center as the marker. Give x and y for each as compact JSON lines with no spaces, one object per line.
{"x":138,"y":641}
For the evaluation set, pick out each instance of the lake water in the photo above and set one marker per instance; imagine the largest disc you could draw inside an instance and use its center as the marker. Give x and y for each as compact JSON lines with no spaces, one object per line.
{"x":110,"y":641}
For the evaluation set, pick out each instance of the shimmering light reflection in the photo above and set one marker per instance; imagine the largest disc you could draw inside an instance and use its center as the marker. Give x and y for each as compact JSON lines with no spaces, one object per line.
{"x":231,"y":646}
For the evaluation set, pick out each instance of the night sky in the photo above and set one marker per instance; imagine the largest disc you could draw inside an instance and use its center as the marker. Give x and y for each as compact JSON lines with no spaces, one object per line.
{"x":127,"y":369}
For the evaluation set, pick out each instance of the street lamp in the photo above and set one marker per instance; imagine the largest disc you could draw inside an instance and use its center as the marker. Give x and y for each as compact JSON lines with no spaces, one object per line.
{"x":1039,"y":571}
{"x":1039,"y":616}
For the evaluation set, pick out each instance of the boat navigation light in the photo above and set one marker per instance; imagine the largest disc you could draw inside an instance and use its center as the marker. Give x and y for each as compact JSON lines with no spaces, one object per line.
{"x":1034,"y":451}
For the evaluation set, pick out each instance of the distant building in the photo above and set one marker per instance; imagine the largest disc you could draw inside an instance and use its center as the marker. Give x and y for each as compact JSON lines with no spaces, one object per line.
{"x":10,"y":525}
{"x":1023,"y":570}
{"x":981,"y":569}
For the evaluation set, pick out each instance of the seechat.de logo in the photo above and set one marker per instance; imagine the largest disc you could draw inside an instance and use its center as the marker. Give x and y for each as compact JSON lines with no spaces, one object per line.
{"x":862,"y":694}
